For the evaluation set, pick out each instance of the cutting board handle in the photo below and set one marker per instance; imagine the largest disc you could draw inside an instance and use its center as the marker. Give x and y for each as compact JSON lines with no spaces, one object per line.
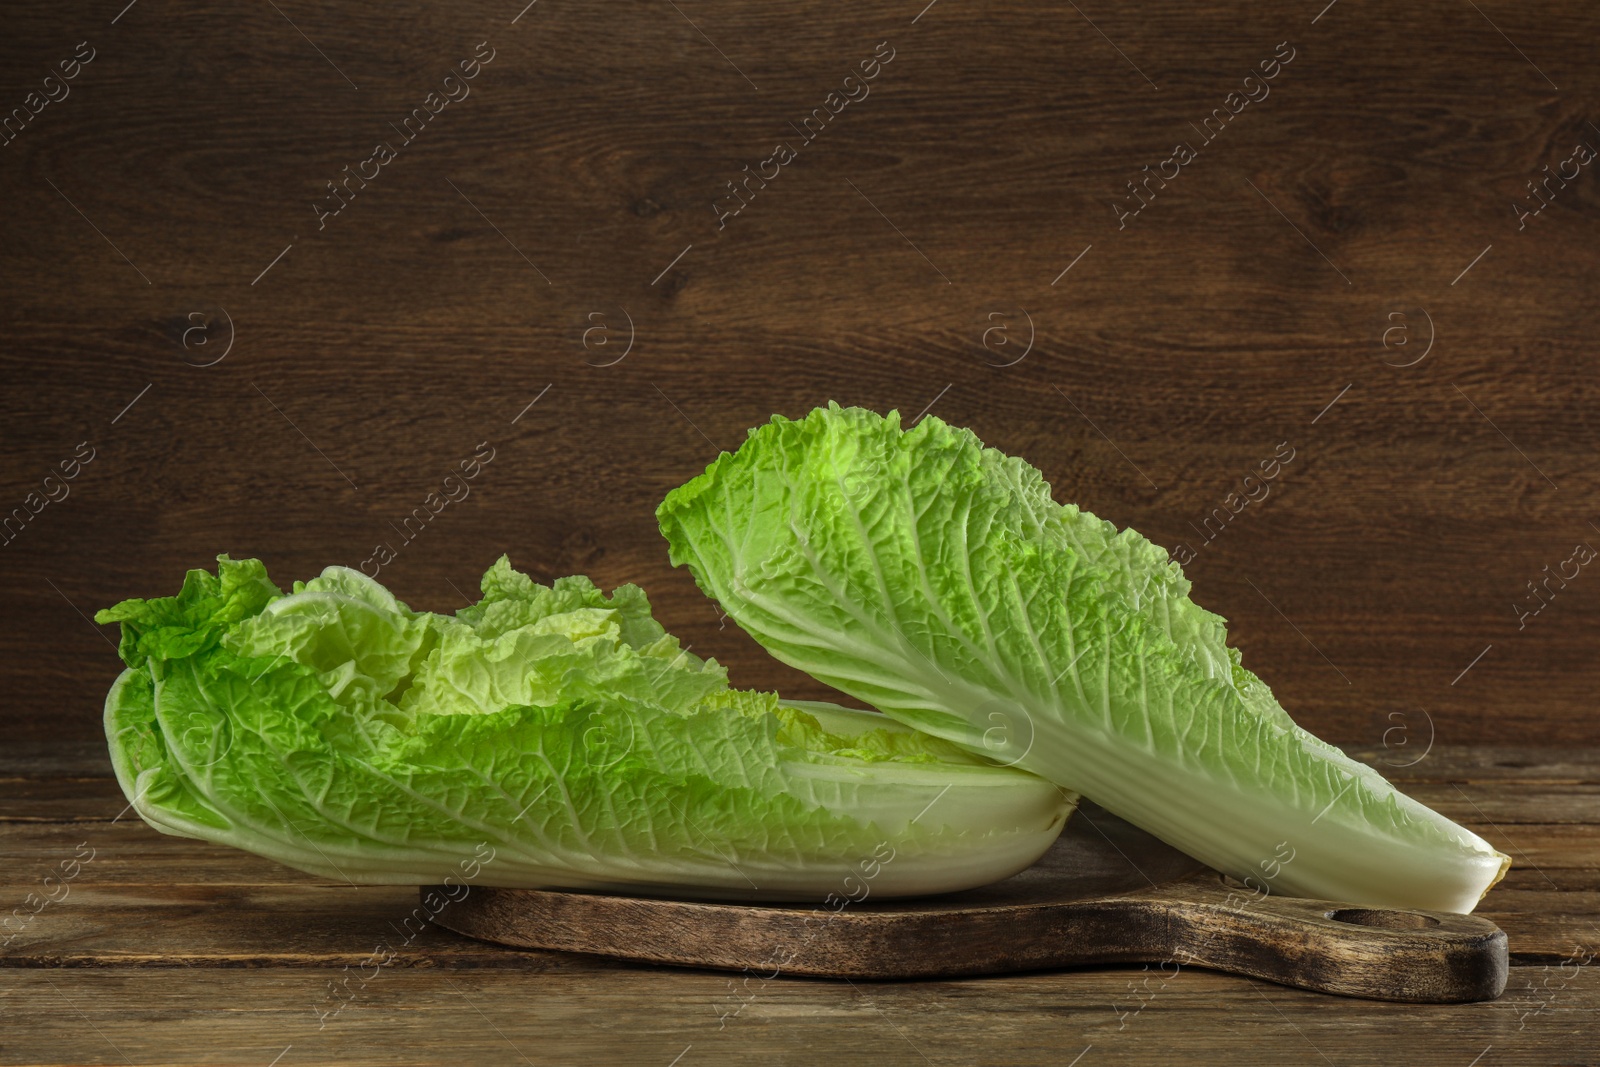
{"x":1382,"y":953}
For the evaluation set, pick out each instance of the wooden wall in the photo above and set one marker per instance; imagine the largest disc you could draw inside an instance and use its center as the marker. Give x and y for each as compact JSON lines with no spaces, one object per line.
{"x":165,"y":207}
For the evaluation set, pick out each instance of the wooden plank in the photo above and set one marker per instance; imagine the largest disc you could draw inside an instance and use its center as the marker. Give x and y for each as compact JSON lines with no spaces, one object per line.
{"x":1545,"y":848}
{"x":128,"y":852}
{"x":1504,"y":805}
{"x":61,"y":798}
{"x":1553,"y":879}
{"x":62,"y":757}
{"x":1544,"y":925}
{"x":1492,"y":762}
{"x":249,"y":926}
{"x":302,"y":925}
{"x":648,"y":1015}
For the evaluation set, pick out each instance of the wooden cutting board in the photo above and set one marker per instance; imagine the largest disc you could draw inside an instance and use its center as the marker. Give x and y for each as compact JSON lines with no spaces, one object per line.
{"x":1105,"y":893}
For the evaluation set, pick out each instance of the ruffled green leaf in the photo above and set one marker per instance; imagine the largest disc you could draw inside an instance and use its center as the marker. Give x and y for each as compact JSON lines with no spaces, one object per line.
{"x":938,"y":580}
{"x":560,"y":730}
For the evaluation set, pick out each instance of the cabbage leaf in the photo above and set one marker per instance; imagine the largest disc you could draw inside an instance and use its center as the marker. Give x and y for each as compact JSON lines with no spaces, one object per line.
{"x":938,"y":580}
{"x":562,"y":732}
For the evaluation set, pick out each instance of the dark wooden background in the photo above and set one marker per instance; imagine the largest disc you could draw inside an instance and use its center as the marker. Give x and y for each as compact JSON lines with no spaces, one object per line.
{"x":378,"y":352}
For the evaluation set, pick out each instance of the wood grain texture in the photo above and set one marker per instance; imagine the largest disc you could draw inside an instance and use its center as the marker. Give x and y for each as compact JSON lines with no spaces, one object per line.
{"x":171,"y":951}
{"x":461,"y":282}
{"x":1040,"y":920}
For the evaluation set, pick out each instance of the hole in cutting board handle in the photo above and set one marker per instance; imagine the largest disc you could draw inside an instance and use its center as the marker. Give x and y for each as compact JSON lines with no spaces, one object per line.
{"x":1387,"y":920}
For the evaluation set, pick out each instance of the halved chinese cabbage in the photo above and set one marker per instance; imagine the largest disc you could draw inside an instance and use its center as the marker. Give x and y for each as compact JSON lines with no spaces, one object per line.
{"x":939,"y":581}
{"x":559,"y":730}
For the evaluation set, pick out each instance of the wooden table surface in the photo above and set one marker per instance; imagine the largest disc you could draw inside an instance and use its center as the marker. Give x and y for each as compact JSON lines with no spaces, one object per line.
{"x":549,"y":267}
{"x":163,"y":950}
